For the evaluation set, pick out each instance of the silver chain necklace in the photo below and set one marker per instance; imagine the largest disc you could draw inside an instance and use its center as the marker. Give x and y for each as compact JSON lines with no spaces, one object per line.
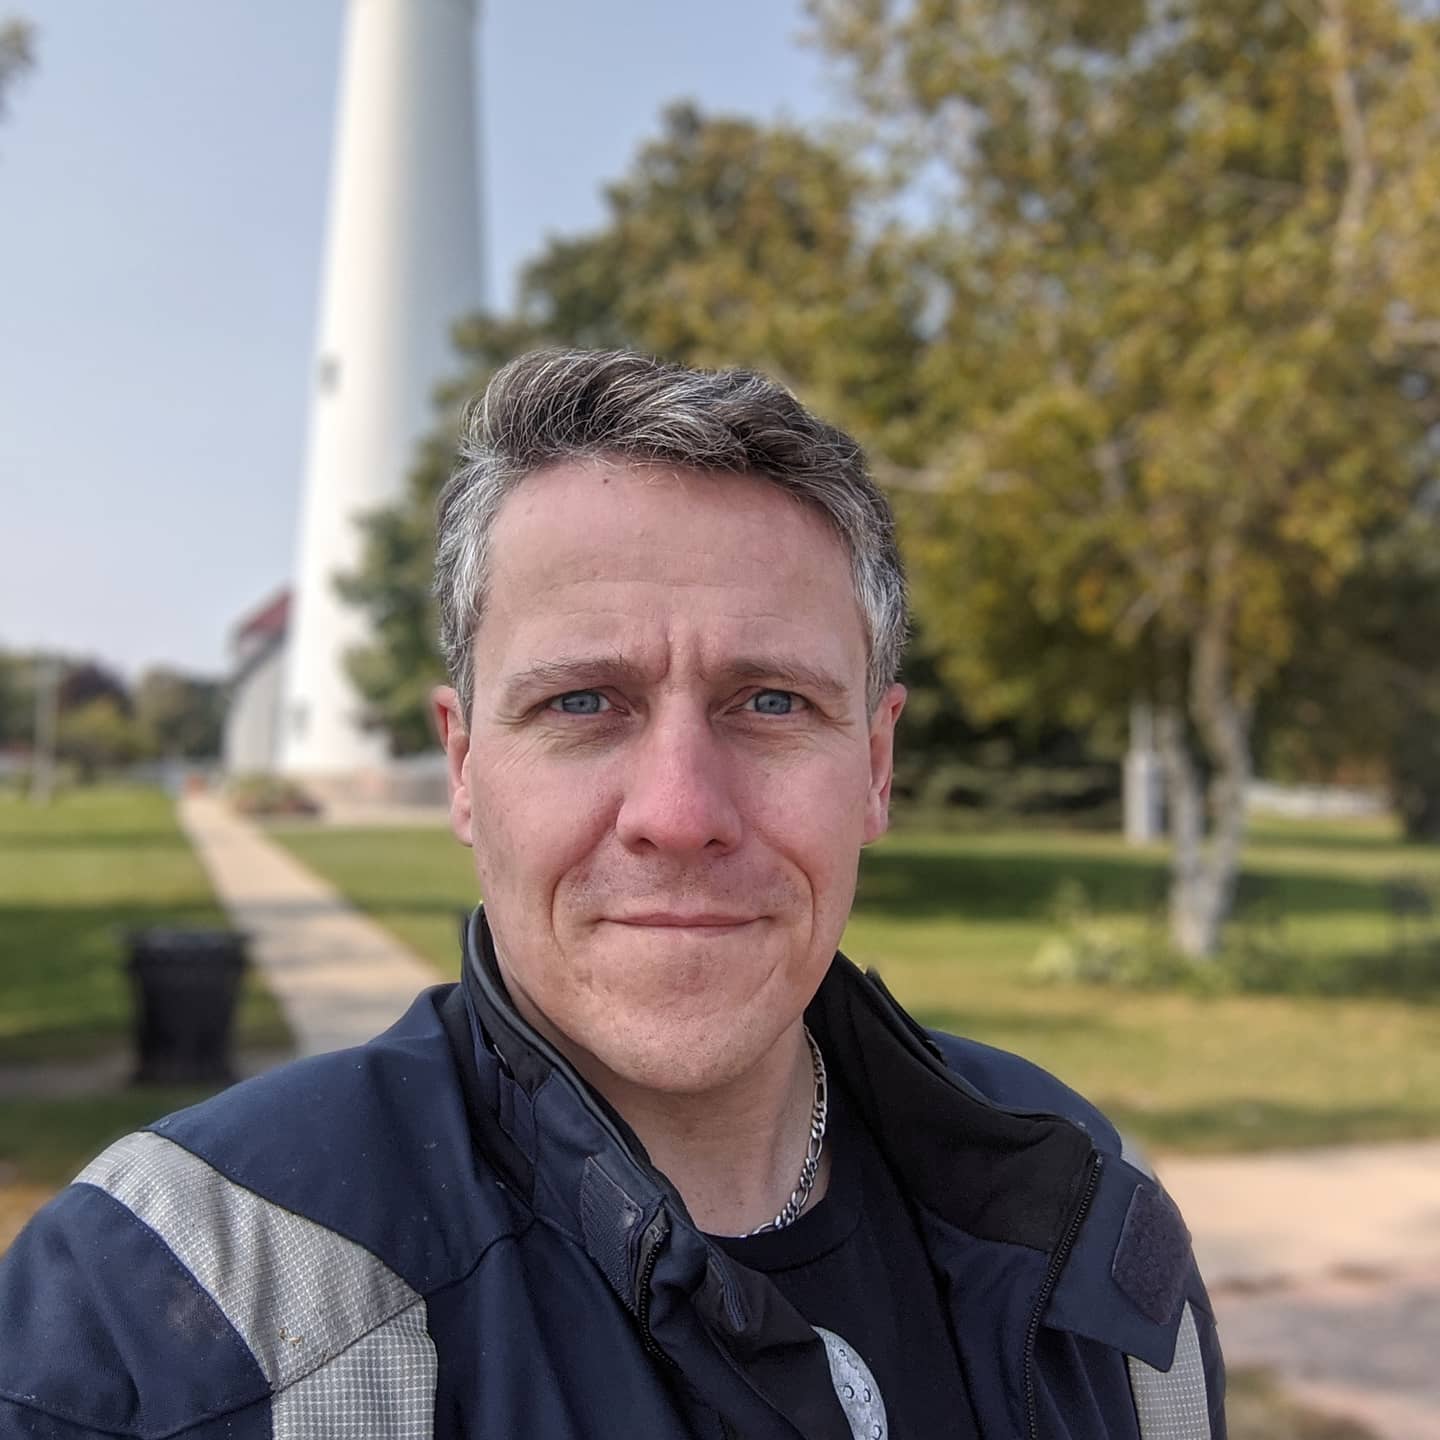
{"x":819,"y":1113}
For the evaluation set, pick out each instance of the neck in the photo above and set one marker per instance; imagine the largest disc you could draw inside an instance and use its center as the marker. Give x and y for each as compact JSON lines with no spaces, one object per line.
{"x":734,"y":1152}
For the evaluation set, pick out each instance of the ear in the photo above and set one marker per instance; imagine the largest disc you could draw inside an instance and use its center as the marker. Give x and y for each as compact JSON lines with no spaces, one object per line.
{"x":455,"y":737}
{"x":882,"y":762}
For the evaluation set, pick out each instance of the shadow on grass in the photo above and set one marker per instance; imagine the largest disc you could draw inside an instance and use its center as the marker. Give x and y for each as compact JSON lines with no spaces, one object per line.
{"x":1307,"y":893}
{"x":898,"y":883}
{"x":1308,"y":836}
{"x":96,"y":839}
{"x":35,"y":939}
{"x":1234,"y":1125}
{"x":979,"y":1024}
{"x":64,"y":990}
{"x":48,"y":1141}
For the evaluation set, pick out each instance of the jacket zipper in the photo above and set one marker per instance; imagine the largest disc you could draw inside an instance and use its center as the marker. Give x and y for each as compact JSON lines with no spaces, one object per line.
{"x":659,"y":1227}
{"x":1052,"y":1278}
{"x":654,"y":1238}
{"x":535,"y":1040}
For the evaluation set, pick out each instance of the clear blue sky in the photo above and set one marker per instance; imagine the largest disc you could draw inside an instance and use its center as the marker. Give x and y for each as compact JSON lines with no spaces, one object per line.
{"x":162,"y":193}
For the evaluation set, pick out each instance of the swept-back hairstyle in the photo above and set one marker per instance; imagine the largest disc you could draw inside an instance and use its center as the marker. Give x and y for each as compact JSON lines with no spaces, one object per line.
{"x":552,"y":406}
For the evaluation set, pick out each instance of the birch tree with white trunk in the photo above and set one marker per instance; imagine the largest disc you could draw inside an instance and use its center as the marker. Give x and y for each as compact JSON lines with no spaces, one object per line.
{"x":1183,"y":360}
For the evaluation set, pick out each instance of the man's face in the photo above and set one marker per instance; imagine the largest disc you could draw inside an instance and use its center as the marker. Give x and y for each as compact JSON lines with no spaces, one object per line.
{"x":669,"y":769}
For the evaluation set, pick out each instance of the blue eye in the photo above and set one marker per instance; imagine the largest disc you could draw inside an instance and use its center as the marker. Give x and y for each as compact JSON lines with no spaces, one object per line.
{"x":774,"y":702}
{"x":580,"y":702}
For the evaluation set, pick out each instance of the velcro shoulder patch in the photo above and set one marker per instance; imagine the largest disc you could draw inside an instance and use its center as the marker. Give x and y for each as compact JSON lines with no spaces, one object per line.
{"x":1152,"y":1257}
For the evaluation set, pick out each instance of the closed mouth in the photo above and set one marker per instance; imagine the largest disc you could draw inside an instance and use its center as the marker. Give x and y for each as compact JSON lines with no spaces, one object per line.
{"x":672,"y":921}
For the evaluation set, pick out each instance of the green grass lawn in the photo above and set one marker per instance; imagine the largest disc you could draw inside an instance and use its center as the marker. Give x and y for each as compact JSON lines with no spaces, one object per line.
{"x":954,"y":920}
{"x":45,"y":1140}
{"x":74,"y":878}
{"x":48,"y":1140}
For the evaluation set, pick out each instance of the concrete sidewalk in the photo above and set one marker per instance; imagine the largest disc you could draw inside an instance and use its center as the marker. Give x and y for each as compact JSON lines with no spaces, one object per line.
{"x":338,"y":976}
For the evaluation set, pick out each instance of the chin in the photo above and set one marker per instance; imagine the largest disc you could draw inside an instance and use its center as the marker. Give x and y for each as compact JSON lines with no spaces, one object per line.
{"x":684,"y":1058}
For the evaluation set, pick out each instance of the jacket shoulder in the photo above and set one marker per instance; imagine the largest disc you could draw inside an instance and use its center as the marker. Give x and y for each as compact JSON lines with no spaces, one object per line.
{"x":1014,"y":1083}
{"x":371,"y":1143}
{"x":108,"y":1333}
{"x":1131,"y":1284}
{"x":211,"y":1265}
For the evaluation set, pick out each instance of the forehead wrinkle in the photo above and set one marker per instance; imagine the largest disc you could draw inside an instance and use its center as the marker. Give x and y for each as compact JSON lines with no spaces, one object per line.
{"x":559,"y":573}
{"x":576,"y":671}
{"x":727,"y":641}
{"x":571,"y":670}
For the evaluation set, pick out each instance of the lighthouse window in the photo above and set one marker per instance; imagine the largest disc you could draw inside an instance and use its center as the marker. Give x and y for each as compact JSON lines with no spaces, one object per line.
{"x":329,"y":373}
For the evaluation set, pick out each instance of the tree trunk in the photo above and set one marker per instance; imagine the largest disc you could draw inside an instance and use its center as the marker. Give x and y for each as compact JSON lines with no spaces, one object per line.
{"x":1420,"y":816}
{"x":1415,"y":774}
{"x":1192,"y":924}
{"x":1230,"y":780}
{"x":1204,"y":868}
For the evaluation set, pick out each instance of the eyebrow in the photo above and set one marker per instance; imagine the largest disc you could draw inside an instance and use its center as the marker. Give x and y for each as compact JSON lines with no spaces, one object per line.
{"x":791,"y":675}
{"x":579,"y":672}
{"x":571,"y":672}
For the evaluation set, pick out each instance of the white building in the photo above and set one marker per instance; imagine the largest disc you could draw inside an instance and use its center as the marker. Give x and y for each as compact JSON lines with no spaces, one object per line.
{"x":250,"y":741}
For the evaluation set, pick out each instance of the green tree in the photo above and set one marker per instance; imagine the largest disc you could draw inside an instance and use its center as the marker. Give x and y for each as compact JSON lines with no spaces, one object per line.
{"x":727,"y":243}
{"x":179,"y":715}
{"x":98,"y":735}
{"x":17,"y":698}
{"x":1364,"y":691}
{"x":84,"y":681}
{"x":1182,"y":362}
{"x":17,"y":55}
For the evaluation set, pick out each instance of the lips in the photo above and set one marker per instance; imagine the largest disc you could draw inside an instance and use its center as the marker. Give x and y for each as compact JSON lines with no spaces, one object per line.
{"x":680,"y":920}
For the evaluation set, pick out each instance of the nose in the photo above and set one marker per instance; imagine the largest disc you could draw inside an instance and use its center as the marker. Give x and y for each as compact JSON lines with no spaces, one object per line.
{"x":679,"y":795}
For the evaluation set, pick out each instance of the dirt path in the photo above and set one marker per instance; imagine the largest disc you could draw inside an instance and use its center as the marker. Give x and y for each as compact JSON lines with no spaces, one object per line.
{"x":1365,"y":1345}
{"x":1324,"y":1266}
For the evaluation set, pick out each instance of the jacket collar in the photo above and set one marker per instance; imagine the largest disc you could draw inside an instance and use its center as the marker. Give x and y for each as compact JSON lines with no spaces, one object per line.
{"x":997,"y":1173}
{"x":588,"y":1175}
{"x":1022,"y":1169}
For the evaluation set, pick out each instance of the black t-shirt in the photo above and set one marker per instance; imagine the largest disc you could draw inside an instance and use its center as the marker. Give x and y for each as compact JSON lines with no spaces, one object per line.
{"x":853,"y":1265}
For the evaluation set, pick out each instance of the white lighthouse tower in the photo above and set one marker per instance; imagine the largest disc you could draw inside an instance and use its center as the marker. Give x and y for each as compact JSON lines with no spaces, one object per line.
{"x":402,"y":263}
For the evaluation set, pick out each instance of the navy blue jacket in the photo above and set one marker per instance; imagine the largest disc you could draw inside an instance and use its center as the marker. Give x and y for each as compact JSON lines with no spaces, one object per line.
{"x":445,"y":1233}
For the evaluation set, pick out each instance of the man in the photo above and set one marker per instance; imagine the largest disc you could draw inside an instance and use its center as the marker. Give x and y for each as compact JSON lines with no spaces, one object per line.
{"x":664,"y":1164}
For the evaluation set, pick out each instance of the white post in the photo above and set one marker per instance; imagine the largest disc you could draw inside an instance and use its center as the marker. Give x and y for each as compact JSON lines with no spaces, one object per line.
{"x":1144,"y":784}
{"x":402,"y":264}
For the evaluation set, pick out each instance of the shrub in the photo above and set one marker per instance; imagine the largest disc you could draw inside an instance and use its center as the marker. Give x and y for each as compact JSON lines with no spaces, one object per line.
{"x":269,"y":795}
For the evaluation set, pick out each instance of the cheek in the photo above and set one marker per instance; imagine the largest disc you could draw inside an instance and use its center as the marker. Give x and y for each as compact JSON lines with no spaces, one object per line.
{"x":821,"y":806}
{"x":529,"y":830}
{"x":817,"y":821}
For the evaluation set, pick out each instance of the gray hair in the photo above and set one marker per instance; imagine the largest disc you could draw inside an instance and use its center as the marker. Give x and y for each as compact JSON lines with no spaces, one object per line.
{"x":552,"y":406}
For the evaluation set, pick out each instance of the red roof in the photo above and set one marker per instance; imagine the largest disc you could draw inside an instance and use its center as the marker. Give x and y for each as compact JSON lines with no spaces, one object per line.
{"x":271,"y":618}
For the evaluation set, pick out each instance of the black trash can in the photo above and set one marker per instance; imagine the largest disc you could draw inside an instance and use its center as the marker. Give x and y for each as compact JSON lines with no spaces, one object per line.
{"x":186,"y":983}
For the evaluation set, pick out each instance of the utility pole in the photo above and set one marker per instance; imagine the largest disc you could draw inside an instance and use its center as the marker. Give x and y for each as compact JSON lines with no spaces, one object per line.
{"x":47,"y":698}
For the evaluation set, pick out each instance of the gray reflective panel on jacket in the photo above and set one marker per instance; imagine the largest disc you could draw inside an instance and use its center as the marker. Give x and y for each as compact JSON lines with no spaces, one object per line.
{"x":299,"y":1295}
{"x":381,"y":1388}
{"x":1172,"y":1404}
